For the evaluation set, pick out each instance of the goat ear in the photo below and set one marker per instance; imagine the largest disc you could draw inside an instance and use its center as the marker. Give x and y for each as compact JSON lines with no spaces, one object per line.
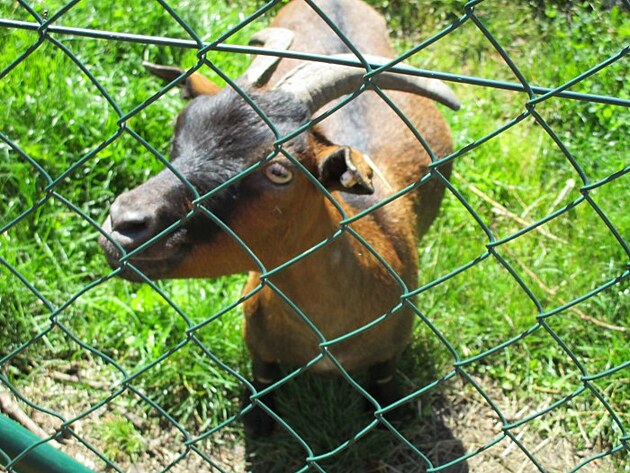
{"x":192,"y":86}
{"x":346,"y":169}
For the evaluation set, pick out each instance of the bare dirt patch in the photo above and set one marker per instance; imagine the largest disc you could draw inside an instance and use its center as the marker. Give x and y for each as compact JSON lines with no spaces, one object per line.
{"x":136,"y":441}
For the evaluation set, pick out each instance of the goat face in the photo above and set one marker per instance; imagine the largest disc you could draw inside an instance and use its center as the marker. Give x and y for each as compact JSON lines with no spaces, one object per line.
{"x":272,"y":203}
{"x":216,"y":138}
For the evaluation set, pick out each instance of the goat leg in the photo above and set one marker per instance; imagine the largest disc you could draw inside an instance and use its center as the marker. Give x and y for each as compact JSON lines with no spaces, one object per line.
{"x":257,"y":422}
{"x":385,"y":388}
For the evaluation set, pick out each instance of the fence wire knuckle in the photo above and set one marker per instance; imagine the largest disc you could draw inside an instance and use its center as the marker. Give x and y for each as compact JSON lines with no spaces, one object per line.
{"x":63,"y":301}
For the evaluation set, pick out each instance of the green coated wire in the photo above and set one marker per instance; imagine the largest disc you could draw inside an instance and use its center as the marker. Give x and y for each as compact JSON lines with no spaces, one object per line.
{"x":48,"y":32}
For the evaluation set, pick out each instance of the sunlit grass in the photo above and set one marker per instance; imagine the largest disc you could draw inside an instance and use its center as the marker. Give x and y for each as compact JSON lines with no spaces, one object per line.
{"x":56,"y":115}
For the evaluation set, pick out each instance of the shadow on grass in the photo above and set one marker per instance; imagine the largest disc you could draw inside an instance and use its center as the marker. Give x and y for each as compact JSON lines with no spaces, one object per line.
{"x":329,"y":415}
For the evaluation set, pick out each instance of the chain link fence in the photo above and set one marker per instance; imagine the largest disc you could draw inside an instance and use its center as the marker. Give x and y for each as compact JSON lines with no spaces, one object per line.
{"x":107,"y":378}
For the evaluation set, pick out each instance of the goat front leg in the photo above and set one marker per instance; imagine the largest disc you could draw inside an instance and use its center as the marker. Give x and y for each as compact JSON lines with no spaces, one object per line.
{"x":257,"y":422}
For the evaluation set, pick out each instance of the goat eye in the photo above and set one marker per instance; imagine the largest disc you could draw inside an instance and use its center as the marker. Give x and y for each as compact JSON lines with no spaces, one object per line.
{"x":278,"y":174}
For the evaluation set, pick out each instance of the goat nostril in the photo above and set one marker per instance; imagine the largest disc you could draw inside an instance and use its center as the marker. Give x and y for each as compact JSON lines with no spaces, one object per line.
{"x":131,"y":228}
{"x":133,"y":225}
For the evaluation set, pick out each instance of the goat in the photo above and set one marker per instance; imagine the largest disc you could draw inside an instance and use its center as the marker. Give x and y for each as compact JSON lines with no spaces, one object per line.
{"x":277,"y":208}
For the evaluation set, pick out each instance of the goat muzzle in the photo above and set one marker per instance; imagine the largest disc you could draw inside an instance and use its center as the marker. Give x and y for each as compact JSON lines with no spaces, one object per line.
{"x":136,"y":217}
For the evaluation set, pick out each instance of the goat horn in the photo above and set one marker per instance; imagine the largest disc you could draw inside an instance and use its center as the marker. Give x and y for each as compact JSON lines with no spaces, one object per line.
{"x":316,"y":84}
{"x":262,"y":67}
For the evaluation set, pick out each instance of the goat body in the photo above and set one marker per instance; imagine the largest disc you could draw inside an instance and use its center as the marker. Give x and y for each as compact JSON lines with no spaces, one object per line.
{"x":343,"y":286}
{"x":279,"y":213}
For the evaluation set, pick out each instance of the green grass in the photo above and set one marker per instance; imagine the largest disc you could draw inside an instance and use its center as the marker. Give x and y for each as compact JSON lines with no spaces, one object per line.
{"x":56,"y":116}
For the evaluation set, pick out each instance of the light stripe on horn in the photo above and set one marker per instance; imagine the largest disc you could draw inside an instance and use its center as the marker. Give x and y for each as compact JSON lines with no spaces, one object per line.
{"x":316,"y":83}
{"x":262,"y":67}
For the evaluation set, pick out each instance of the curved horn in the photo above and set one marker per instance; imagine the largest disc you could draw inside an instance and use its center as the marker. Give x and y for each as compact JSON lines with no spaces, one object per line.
{"x":316,"y":84}
{"x":262,"y":67}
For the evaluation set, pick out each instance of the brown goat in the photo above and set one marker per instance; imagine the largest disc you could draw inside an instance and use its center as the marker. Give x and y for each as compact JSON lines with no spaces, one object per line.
{"x":279,"y":212}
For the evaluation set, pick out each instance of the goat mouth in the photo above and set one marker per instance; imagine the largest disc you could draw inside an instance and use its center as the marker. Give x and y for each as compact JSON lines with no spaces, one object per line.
{"x":156,"y":261}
